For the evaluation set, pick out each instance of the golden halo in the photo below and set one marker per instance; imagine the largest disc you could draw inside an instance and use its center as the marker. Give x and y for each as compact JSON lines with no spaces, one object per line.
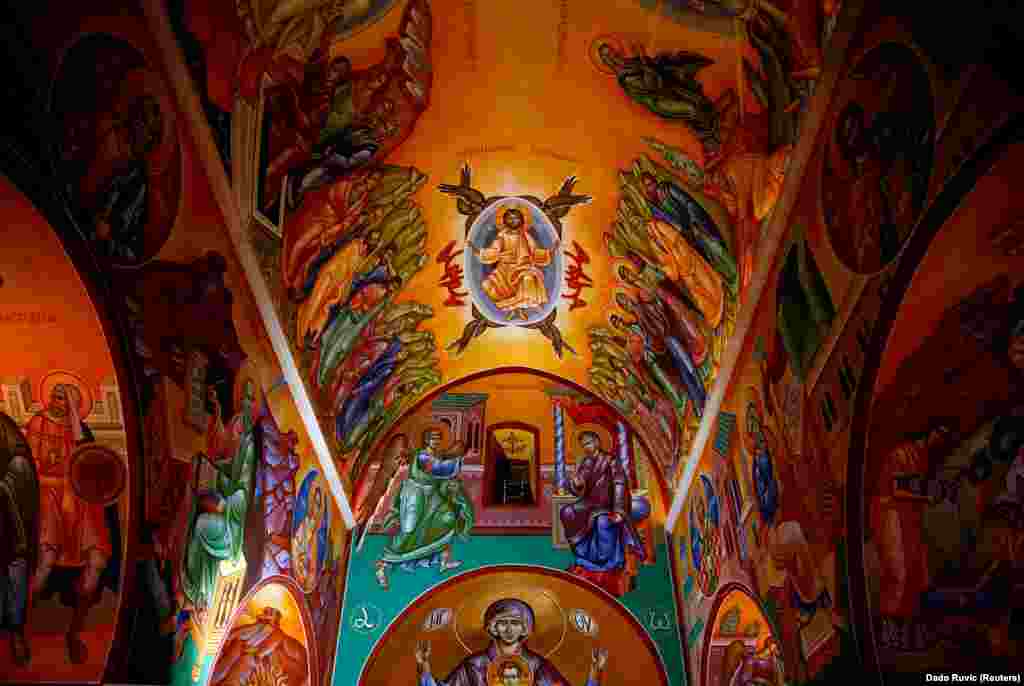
{"x":60,"y":377}
{"x":613,"y":41}
{"x":520,"y":207}
{"x":607,"y":440}
{"x":545,"y":638}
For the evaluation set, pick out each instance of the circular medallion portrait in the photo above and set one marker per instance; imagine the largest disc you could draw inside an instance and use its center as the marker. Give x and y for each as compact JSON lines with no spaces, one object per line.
{"x":118,"y":153}
{"x":879,"y":157}
{"x":514,"y":263}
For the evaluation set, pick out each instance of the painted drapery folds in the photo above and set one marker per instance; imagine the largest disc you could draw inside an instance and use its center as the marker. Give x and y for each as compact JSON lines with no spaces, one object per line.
{"x":339,"y":232}
{"x":66,"y":495}
{"x":770,"y":515}
{"x":339,"y":137}
{"x":686,"y":236}
{"x":447,"y":507}
{"x":222,"y":453}
{"x":509,"y":247}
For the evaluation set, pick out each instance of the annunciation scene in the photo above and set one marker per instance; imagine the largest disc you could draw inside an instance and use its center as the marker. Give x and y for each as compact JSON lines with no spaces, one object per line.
{"x":488,"y":343}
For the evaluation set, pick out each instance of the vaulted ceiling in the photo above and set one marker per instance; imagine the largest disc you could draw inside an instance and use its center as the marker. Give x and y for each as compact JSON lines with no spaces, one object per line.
{"x":645,"y":144}
{"x":363,"y":155}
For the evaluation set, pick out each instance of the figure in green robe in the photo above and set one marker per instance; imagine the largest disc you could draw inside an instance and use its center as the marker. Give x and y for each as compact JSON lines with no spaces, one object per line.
{"x":431,"y":510}
{"x":667,"y":85}
{"x":218,"y":516}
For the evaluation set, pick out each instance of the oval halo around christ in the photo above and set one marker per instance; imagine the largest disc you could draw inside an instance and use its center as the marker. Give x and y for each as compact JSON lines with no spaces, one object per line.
{"x":513,"y":263}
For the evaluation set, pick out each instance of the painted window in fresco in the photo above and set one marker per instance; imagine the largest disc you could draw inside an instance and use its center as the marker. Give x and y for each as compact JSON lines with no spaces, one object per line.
{"x":591,"y":522}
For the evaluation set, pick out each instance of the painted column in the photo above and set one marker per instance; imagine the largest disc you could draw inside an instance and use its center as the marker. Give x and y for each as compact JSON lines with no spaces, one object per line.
{"x":622,"y":438}
{"x":559,"y":449}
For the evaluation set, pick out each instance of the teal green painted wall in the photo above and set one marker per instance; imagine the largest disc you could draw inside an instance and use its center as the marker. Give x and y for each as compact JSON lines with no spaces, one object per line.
{"x":654,"y":591}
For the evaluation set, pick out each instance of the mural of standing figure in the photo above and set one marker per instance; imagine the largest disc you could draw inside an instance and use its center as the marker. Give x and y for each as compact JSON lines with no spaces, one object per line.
{"x":72,"y":533}
{"x":219,"y":519}
{"x":431,"y":510}
{"x":19,"y":527}
{"x":509,"y":622}
{"x":310,"y":537}
{"x":605,"y":544}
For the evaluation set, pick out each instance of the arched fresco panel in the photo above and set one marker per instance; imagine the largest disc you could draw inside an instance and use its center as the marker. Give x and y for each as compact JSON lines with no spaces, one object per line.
{"x":647,"y":145}
{"x":118,"y":152}
{"x":269,"y":642}
{"x":942,"y":487}
{"x":567,"y":632}
{"x":741,"y":648}
{"x":360,"y":163}
{"x":598,"y":511}
{"x":67,"y":476}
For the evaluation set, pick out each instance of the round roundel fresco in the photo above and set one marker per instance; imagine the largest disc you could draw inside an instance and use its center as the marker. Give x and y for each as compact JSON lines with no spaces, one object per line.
{"x":119,"y":149}
{"x":879,"y":157}
{"x":513,"y":263}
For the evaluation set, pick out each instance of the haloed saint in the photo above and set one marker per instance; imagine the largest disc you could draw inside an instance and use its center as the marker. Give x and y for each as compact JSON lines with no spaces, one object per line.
{"x":514,"y":263}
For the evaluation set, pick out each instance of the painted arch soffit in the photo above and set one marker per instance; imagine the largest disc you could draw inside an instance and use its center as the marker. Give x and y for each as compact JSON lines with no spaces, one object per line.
{"x":426,"y":207}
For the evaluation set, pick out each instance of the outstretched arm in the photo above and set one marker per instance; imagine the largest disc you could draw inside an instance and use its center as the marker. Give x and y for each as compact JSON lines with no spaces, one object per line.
{"x":456,"y":678}
{"x":423,"y":664}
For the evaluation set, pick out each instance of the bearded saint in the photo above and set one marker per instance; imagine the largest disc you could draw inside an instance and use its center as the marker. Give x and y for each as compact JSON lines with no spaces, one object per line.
{"x":72,"y":533}
{"x":684,"y":265}
{"x":261,"y":646}
{"x":333,"y":288}
{"x":517,"y":282}
{"x":327,"y":220}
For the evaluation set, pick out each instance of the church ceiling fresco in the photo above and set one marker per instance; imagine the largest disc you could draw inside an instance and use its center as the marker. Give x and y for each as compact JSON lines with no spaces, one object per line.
{"x":487,"y":505}
{"x":768,"y":506}
{"x":508,"y":246}
{"x":228,"y":493}
{"x":431,"y":194}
